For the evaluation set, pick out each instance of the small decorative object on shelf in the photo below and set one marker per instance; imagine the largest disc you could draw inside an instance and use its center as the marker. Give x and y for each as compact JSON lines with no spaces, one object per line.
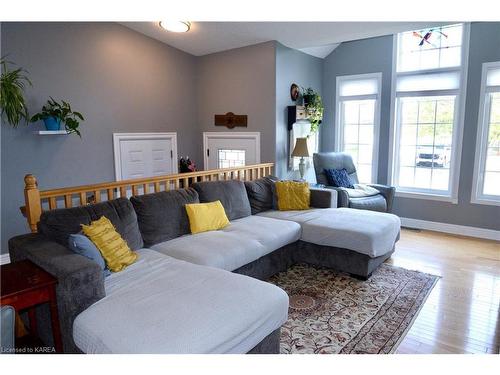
{"x":230,"y":120}
{"x":295,"y":113}
{"x":301,"y":151}
{"x":186,"y":165}
{"x":53,"y":113}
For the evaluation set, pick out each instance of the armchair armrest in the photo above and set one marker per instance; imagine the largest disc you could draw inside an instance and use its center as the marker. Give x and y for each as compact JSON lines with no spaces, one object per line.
{"x":387,"y":192}
{"x":80,"y":280}
{"x":342,"y":196}
{"x":323,"y":198}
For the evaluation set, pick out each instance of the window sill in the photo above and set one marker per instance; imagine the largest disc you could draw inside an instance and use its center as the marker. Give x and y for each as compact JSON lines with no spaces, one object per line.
{"x":486,"y":201}
{"x":427,"y":196}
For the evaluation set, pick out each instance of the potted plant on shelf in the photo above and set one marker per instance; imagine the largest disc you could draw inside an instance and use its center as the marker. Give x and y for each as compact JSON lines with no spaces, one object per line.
{"x":53,"y":113}
{"x":314,"y":107}
{"x":12,"y":101}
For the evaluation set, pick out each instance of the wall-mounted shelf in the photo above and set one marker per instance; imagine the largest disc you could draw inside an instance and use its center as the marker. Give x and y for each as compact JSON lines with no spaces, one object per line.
{"x":50,"y":132}
{"x":295,"y":113}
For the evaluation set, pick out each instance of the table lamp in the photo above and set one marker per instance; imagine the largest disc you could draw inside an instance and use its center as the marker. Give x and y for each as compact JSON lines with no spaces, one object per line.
{"x":301,"y":150}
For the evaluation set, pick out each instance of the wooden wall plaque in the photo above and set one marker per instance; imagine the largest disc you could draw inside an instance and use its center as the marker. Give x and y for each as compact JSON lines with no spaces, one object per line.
{"x":230,"y":120}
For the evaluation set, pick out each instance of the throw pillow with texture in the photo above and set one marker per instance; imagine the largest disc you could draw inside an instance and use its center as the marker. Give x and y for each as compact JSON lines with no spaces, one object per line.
{"x":338,"y":178}
{"x":112,"y":246}
{"x":293,"y":195}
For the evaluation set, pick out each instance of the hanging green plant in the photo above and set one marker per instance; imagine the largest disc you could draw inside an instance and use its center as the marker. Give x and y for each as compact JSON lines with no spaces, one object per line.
{"x":12,"y":101}
{"x":314,"y":107}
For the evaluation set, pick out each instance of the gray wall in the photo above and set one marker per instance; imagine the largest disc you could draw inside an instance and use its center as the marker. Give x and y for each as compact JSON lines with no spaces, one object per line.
{"x":292,"y":66}
{"x":119,"y":79}
{"x":375,"y":55}
{"x":241,"y":81}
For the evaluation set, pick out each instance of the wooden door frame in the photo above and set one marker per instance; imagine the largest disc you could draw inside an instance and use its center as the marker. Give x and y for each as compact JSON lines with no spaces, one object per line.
{"x":230,"y":135}
{"x":118,"y":137}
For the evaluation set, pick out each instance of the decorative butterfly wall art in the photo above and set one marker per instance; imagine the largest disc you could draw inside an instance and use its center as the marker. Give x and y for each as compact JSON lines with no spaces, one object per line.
{"x":429,"y":37}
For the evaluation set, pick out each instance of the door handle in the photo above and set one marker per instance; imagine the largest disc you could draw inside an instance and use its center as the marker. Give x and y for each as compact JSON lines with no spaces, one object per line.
{"x":208,"y":152}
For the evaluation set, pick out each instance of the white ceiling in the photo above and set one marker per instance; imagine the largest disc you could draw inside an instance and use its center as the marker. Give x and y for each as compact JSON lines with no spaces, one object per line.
{"x":315,"y":38}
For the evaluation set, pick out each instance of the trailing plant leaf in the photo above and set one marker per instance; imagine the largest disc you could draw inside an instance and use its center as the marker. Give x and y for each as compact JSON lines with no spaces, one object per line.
{"x":314,"y":107}
{"x":12,"y":101}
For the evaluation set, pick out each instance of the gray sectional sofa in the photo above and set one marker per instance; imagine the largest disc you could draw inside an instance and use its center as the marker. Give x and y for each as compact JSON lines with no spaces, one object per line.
{"x":190,"y":293}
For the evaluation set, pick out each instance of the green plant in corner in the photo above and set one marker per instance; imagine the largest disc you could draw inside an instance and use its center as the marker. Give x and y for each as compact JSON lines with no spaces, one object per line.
{"x":314,"y":107}
{"x":12,"y":101}
{"x":60,"y":112}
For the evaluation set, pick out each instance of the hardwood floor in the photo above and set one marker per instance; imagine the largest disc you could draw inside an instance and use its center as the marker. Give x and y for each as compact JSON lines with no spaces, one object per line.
{"x":462,"y":313}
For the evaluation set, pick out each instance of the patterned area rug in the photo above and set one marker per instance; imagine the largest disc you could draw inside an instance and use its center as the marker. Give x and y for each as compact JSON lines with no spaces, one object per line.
{"x":331,"y":312}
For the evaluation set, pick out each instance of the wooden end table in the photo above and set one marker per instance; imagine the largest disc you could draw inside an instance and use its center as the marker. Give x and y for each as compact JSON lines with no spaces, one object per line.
{"x":24,"y":285}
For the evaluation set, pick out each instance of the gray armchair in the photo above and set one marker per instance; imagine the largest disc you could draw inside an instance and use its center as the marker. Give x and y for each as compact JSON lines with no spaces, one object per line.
{"x":338,"y":160}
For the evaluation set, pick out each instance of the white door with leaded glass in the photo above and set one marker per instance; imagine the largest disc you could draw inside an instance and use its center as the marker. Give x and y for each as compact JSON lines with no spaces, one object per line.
{"x":228,"y":150}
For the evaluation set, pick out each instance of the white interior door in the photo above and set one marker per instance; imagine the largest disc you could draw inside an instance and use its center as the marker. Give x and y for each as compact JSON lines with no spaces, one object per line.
{"x":227,"y":150}
{"x":140,"y":155}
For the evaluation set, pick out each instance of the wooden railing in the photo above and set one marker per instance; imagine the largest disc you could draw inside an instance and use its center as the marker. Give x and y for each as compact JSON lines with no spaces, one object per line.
{"x":37,"y":200}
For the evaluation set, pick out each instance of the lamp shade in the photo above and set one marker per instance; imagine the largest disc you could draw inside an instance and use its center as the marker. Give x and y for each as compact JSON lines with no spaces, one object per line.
{"x":300,"y":149}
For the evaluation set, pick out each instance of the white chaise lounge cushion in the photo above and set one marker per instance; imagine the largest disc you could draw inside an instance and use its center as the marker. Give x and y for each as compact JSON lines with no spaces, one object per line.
{"x":367,"y":232}
{"x":241,"y":242}
{"x":163,"y":305}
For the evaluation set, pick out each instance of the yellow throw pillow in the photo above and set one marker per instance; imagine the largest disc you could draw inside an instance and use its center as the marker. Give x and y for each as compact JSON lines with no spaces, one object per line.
{"x":204,"y":217}
{"x":293,"y":195}
{"x":112,"y":246}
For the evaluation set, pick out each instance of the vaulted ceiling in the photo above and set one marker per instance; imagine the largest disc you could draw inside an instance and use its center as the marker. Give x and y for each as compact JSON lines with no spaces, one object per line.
{"x":314,"y":38}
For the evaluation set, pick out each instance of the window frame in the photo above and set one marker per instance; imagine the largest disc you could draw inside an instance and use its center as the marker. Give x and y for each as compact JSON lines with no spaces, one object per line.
{"x":451,"y":195}
{"x":477,"y":197}
{"x":339,"y":130}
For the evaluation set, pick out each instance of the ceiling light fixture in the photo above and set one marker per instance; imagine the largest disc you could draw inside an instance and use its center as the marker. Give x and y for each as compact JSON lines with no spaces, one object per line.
{"x":176,"y":26}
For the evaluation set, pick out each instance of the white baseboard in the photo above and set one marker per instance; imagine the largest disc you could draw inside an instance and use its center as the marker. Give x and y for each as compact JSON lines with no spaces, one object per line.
{"x":462,"y":230}
{"x":4,"y":259}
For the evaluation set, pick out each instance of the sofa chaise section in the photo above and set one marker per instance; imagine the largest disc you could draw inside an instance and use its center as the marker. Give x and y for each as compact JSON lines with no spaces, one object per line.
{"x":163,"y":305}
{"x":349,"y":240}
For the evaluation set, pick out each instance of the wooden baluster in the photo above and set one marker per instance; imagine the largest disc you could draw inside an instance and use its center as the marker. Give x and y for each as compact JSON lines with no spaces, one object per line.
{"x":111,"y":194}
{"x":123,"y":191}
{"x":135,"y":190}
{"x":157,"y":187}
{"x":52,"y":203}
{"x":68,"y":201}
{"x":168,"y":185}
{"x":83,"y":198}
{"x":176,"y":183}
{"x":185,"y":182}
{"x":97,"y":196}
{"x":146,"y":188}
{"x":33,"y":204}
